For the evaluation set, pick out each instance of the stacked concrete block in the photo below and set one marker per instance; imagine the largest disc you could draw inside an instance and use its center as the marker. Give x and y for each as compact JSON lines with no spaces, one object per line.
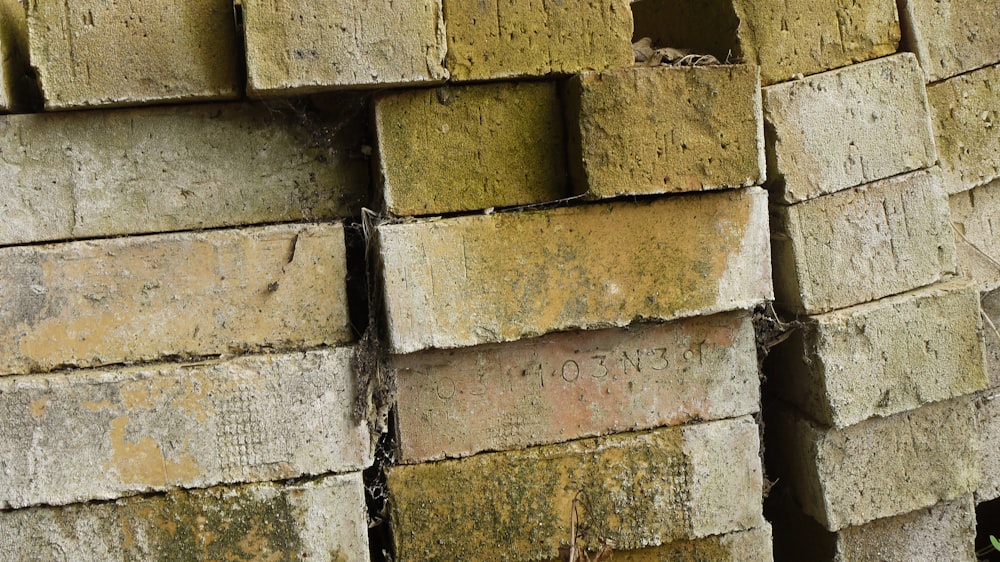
{"x":952,"y":36}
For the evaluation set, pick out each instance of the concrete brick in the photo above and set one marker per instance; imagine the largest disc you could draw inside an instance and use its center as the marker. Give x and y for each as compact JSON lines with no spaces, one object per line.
{"x":884,"y":357}
{"x":990,"y":307}
{"x":964,"y":110}
{"x":573,"y":385}
{"x":300,"y":46}
{"x":470,"y":147}
{"x":977,"y":245}
{"x":17,"y":90}
{"x":988,"y":418}
{"x":785,"y":40}
{"x":162,"y":53}
{"x":491,"y":278}
{"x":878,"y":468}
{"x":632,"y":132}
{"x":130,"y":171}
{"x":187,"y":294}
{"x":862,"y":244}
{"x":847,"y":127}
{"x":643,"y":490}
{"x":741,"y":546}
{"x":319,"y":520}
{"x":493,"y":40}
{"x":951,"y":36}
{"x":87,"y":435}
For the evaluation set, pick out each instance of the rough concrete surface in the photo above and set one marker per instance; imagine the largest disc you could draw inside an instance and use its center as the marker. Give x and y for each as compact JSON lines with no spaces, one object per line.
{"x":87,"y":435}
{"x":572,"y":385}
{"x":990,"y":306}
{"x":847,"y":127}
{"x":301,"y":46}
{"x":163,"y":52}
{"x":187,"y":294}
{"x":951,"y":36}
{"x":157,"y":169}
{"x":642,"y":490}
{"x":491,"y":278}
{"x":878,"y":468}
{"x":321,"y":520}
{"x":988,"y":417}
{"x":516,"y":38}
{"x":739,"y":546}
{"x":862,"y":244}
{"x":977,"y":245}
{"x":463,"y":148}
{"x":883,"y":357}
{"x":964,"y":110}
{"x":664,"y":129}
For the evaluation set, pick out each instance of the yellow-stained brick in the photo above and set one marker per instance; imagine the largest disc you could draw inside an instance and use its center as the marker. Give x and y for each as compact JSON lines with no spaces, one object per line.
{"x":642,"y":490}
{"x":664,"y":129}
{"x":131,"y":52}
{"x":491,"y":278}
{"x":301,"y":46}
{"x":461,"y":148}
{"x":952,"y":36}
{"x":512,"y":38}
{"x":741,"y":546}
{"x":188,"y":294}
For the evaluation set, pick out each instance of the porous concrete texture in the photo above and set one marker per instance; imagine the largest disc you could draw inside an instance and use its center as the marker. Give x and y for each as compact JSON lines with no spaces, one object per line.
{"x":321,"y":520}
{"x":786,"y":40}
{"x":977,"y":245}
{"x":964,"y":110}
{"x":187,"y":294}
{"x":883,"y":357}
{"x":86,"y":435}
{"x":162,"y":52}
{"x":990,"y":306}
{"x":463,"y":148}
{"x":641,"y":490}
{"x":740,"y":546}
{"x":156,"y":169}
{"x":847,"y":127}
{"x":520,"y":38}
{"x":988,"y":417}
{"x":861,"y":244}
{"x":301,"y":46}
{"x":878,"y":468}
{"x":572,"y":385}
{"x":665,"y":129}
{"x":492,"y":278}
{"x":951,"y":36}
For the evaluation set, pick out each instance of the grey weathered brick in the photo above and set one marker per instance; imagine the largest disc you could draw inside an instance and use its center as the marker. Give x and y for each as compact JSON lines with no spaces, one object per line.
{"x":977,"y":245}
{"x":951,"y":36}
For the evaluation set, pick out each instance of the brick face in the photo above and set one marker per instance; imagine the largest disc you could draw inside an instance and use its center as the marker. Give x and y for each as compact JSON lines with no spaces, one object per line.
{"x":973,"y":214}
{"x":952,"y":36}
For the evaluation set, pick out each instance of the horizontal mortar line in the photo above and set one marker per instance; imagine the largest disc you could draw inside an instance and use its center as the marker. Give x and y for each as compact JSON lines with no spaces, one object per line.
{"x":937,"y":164}
{"x":963,"y":73}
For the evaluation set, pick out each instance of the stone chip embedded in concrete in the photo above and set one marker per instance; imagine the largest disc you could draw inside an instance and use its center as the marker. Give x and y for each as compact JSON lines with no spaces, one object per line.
{"x":86,"y":435}
{"x":883,"y":357}
{"x":162,"y":52}
{"x":463,"y":148}
{"x":643,"y":490}
{"x":572,"y":385}
{"x":664,"y":129}
{"x":520,"y":38}
{"x":951,"y":36}
{"x":862,"y":244}
{"x":847,"y":127}
{"x":323,"y":520}
{"x":464,"y":281}
{"x":977,"y":245}
{"x":302,"y":46}
{"x":144,"y":298}
{"x":156,"y":169}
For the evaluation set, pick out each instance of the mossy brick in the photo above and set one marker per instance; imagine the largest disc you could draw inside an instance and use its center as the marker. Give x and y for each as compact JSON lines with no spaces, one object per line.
{"x":115,"y":432}
{"x":753,"y":545}
{"x":465,"y":281}
{"x":878,"y":468}
{"x":964,"y":110}
{"x":862,"y":244}
{"x":883,"y":357}
{"x":973,"y":214}
{"x":847,"y":127}
{"x":463,"y":148}
{"x":793,"y":38}
{"x":301,"y":46}
{"x":162,"y":52}
{"x":120,"y":300}
{"x":323,"y":520}
{"x":573,"y":385}
{"x":664,"y":129}
{"x":642,"y":490}
{"x":951,"y":36}
{"x":521,"y":38}
{"x":141,"y":170}
{"x":988,"y":418}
